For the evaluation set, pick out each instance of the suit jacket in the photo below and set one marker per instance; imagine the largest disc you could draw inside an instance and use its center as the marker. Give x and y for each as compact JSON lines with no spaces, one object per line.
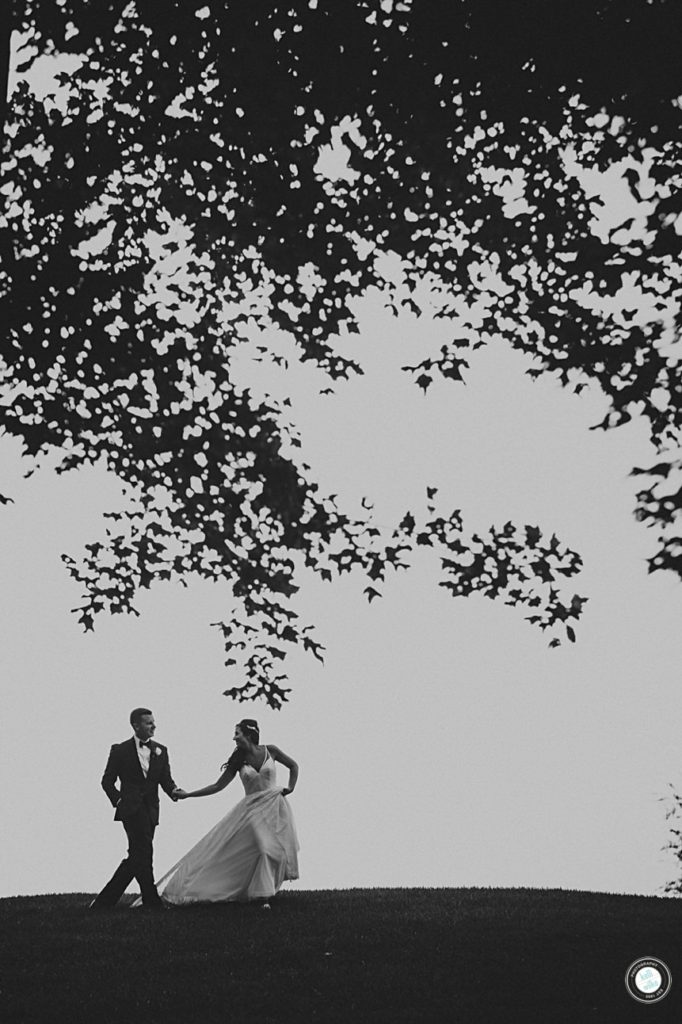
{"x":124,"y":767}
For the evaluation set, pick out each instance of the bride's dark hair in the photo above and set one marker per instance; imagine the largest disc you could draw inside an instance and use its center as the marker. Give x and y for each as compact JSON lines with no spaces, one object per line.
{"x":249,"y":726}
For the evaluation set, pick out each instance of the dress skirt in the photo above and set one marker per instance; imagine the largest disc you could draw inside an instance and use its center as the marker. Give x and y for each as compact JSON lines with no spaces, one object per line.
{"x":247,"y":855}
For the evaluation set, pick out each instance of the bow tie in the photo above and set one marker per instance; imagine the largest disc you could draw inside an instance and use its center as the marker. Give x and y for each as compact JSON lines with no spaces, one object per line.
{"x":146,"y":743}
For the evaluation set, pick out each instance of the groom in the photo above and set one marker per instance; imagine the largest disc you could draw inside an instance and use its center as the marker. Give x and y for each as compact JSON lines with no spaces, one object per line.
{"x":140,"y":765}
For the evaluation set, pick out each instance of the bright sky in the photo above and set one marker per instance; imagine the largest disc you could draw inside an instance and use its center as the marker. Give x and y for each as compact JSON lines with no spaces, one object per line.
{"x":442,"y":743}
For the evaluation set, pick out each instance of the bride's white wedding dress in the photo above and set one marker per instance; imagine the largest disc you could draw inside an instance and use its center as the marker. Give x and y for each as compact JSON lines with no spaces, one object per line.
{"x":247,"y":855}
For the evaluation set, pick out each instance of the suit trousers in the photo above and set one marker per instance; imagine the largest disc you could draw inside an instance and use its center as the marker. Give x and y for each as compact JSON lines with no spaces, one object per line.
{"x":138,"y":864}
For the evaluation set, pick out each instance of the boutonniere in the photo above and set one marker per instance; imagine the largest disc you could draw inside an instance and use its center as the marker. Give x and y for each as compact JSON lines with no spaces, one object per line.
{"x":156,"y":750}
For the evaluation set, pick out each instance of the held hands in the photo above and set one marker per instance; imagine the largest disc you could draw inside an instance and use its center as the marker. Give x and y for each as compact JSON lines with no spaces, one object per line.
{"x":178,"y":794}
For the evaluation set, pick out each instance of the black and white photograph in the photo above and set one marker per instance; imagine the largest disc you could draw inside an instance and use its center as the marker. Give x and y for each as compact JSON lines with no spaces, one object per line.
{"x":341,"y":511}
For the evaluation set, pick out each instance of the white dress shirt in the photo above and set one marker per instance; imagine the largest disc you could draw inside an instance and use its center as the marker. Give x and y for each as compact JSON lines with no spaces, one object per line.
{"x":144,"y":754}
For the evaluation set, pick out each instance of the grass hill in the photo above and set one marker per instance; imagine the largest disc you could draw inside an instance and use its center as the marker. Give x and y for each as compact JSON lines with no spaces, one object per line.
{"x":358,"y":956}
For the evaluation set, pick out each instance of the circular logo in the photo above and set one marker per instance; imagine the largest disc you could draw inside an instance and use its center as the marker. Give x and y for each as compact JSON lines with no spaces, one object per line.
{"x":648,"y":979}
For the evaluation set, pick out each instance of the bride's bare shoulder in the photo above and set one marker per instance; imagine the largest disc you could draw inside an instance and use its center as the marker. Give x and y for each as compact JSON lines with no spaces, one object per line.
{"x":278,"y":755}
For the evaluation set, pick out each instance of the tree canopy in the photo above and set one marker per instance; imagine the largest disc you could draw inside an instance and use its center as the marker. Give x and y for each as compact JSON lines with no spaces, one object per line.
{"x":171,"y":195}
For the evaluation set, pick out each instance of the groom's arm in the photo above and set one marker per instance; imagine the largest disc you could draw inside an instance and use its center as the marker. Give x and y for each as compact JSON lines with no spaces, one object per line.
{"x":166,"y":780}
{"x":110,"y":777}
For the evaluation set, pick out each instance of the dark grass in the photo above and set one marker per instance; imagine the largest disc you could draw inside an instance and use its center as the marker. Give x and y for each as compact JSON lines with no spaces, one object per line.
{"x":359,"y":955}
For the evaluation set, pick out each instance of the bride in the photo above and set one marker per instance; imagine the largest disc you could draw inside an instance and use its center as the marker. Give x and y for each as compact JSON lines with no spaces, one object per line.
{"x":253,"y":849}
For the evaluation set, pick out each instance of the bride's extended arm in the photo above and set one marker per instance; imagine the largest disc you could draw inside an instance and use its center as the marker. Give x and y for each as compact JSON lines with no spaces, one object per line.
{"x":223,"y":781}
{"x":288,"y":762}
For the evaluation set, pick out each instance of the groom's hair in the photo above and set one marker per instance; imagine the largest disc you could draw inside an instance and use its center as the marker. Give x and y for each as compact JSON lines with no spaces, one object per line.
{"x":137,"y":714}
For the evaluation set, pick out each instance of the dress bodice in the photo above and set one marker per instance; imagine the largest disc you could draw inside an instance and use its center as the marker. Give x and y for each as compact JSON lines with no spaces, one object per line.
{"x":257,"y":780}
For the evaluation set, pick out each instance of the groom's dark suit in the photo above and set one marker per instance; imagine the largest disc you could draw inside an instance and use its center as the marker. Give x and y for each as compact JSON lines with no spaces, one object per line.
{"x":137,"y":806}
